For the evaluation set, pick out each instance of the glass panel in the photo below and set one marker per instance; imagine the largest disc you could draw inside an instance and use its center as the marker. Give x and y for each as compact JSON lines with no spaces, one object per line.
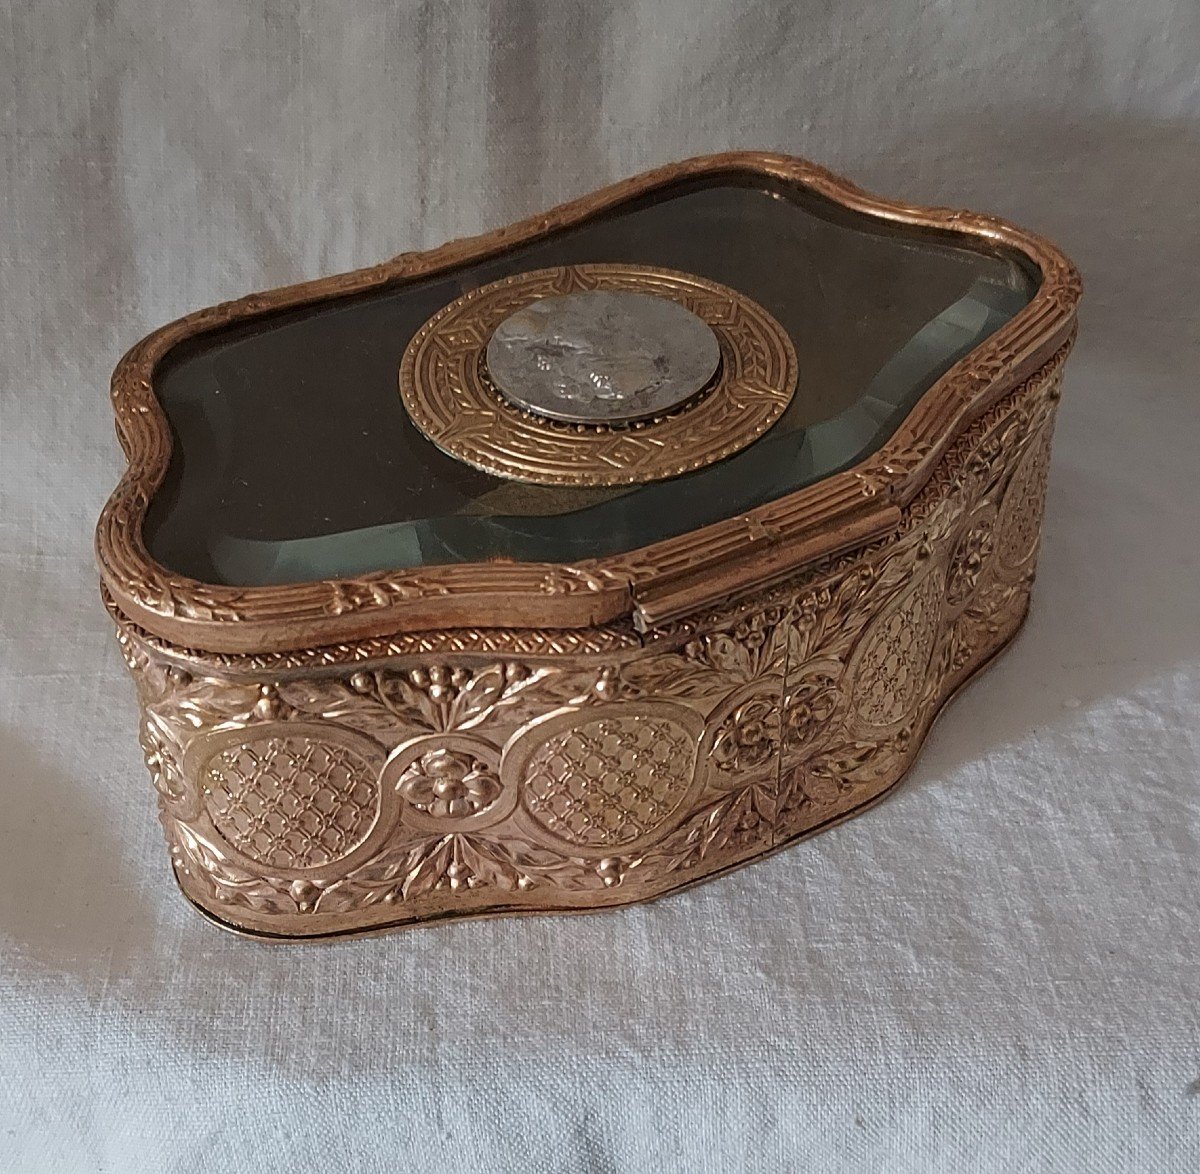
{"x":295,"y":460}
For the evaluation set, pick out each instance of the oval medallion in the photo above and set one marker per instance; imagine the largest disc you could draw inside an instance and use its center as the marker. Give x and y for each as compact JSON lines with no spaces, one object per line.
{"x":1020,"y":524}
{"x":891,"y":666}
{"x":288,"y":800}
{"x":606,"y":780}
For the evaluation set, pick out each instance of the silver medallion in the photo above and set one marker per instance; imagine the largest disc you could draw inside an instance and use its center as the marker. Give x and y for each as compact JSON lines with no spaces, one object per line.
{"x":602,"y":356}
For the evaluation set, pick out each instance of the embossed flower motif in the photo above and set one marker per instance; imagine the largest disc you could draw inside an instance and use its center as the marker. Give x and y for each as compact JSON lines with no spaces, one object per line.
{"x":162,"y":764}
{"x":807,"y":709}
{"x":747,"y":737}
{"x":449,"y":784}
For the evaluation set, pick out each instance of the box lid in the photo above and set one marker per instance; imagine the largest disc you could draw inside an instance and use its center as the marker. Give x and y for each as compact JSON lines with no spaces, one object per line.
{"x":498,"y":433}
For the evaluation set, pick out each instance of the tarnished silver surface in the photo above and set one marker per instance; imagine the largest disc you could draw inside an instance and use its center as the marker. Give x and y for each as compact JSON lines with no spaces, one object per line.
{"x":602,"y":356}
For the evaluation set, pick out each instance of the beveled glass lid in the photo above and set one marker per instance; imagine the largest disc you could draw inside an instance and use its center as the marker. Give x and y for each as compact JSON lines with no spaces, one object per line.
{"x":280,"y":493}
{"x":295,"y":458}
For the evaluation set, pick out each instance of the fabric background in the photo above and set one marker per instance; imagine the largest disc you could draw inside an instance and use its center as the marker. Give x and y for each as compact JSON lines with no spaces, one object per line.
{"x":994,"y":970}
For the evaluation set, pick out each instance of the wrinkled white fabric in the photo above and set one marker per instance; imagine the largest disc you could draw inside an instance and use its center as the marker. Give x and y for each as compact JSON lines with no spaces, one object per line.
{"x":994,"y":970}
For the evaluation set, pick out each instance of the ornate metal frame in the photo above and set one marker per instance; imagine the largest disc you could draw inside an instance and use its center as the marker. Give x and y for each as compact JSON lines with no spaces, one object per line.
{"x":348,"y":755}
{"x":449,"y":398}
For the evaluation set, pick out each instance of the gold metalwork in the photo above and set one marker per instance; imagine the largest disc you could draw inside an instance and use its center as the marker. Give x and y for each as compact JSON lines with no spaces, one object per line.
{"x":446,"y":390}
{"x":542,"y":603}
{"x":351,"y":755}
{"x":459,"y":784}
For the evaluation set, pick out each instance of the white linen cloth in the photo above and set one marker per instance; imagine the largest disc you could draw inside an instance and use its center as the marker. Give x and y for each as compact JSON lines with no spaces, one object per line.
{"x":997,"y":969}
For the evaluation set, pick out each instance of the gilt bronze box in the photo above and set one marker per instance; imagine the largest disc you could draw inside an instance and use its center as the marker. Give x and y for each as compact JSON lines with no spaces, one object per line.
{"x":572,"y":564}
